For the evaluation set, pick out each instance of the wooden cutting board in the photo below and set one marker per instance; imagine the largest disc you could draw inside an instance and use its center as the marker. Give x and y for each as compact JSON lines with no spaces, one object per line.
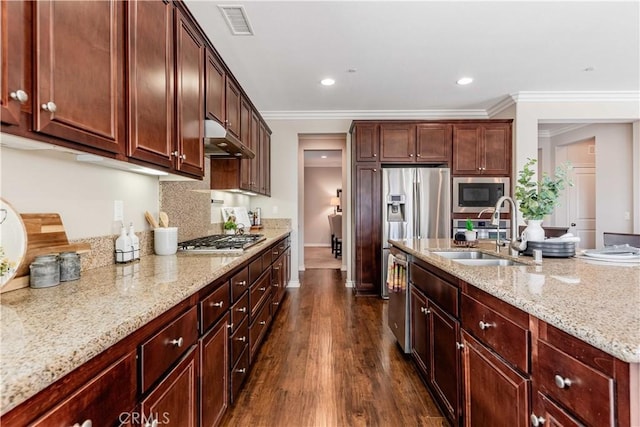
{"x":45,"y":235}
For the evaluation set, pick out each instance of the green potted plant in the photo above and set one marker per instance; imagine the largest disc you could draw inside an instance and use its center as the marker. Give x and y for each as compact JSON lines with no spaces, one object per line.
{"x":230,"y":225}
{"x":470,"y":234}
{"x":538,"y":199}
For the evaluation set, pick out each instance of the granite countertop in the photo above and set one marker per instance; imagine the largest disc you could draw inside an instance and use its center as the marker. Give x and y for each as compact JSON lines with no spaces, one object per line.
{"x":46,"y":333}
{"x":597,"y":302}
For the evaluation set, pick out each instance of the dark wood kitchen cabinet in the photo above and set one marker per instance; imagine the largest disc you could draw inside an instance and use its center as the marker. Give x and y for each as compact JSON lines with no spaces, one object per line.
{"x":415,"y":143}
{"x":397,"y":142}
{"x":482,"y":148}
{"x":216,"y":108}
{"x":214,"y":373}
{"x":15,"y":90}
{"x":79,"y":72}
{"x":367,"y":232}
{"x":265,"y":160}
{"x":433,"y":142}
{"x":151,"y":59}
{"x":256,"y":162}
{"x":190,"y":55}
{"x":365,"y":139}
{"x":233,"y":96}
{"x":245,"y":137}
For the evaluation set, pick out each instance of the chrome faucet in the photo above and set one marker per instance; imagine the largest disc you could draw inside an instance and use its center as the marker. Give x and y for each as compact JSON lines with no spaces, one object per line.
{"x":514,"y":245}
{"x":485,"y":210}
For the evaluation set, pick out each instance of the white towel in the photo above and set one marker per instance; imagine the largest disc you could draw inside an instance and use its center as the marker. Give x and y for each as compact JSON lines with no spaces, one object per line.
{"x":391,"y":273}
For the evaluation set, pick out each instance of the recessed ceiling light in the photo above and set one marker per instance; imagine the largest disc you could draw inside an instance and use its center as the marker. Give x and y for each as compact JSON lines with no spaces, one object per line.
{"x":324,"y":157}
{"x":464,"y":81}
{"x":589,"y":69}
{"x":327,"y":82}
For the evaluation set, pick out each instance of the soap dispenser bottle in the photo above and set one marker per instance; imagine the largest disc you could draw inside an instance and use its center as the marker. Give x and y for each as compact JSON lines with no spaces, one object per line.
{"x":123,"y":247}
{"x":135,"y":242}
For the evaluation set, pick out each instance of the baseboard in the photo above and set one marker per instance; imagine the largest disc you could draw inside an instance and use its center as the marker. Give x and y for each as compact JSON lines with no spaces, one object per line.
{"x":293,"y":284}
{"x":349,"y":284}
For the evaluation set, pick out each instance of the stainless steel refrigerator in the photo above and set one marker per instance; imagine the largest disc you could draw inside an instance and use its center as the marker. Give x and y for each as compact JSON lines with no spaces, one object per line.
{"x":416,"y":205}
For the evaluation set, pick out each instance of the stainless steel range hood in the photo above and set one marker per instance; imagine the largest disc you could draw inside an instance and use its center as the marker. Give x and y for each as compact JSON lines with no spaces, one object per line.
{"x":218,"y":142}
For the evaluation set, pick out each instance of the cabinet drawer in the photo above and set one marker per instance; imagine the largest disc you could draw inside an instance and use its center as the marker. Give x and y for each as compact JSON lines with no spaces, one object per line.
{"x":508,"y":339}
{"x":102,"y":400}
{"x":259,"y":292}
{"x":239,"y":374}
{"x":259,"y":327}
{"x":266,"y":258}
{"x":240,"y":309}
{"x":214,"y":306}
{"x":239,"y":340}
{"x":239,"y":284}
{"x":436,"y":289}
{"x":255,"y":269}
{"x":277,"y":250}
{"x":159,"y":352}
{"x":576,"y":386}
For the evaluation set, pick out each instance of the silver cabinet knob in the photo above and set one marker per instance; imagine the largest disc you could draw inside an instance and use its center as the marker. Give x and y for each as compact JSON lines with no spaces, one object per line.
{"x":243,"y":339}
{"x":242,"y":309}
{"x":50,"y":107}
{"x":262,"y":289}
{"x":85,"y":423}
{"x":425,"y":310}
{"x":484,"y":326}
{"x":242,"y":283}
{"x":263,"y":322}
{"x":410,"y":155}
{"x":174,"y":153}
{"x":277,"y":285}
{"x":276,"y":303}
{"x":562,"y":382}
{"x":536,"y":420}
{"x":241,"y":371}
{"x":177,"y":342}
{"x":183,"y":156}
{"x":230,"y":326}
{"x":418,"y":155}
{"x":375,"y":155}
{"x":218,"y":304}
{"x":20,"y":96}
{"x":459,"y":345}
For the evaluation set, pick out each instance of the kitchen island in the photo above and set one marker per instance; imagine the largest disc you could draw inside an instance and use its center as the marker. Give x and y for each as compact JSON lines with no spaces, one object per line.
{"x":517,"y":327}
{"x":48,"y":333}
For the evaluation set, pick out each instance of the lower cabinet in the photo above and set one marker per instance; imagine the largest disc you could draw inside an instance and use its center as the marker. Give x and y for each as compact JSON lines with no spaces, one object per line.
{"x":175,"y":400}
{"x":109,"y":399}
{"x":214,"y":373}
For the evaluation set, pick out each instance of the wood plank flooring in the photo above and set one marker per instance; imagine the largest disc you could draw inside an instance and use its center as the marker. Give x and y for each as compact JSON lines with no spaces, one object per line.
{"x":330,"y":360}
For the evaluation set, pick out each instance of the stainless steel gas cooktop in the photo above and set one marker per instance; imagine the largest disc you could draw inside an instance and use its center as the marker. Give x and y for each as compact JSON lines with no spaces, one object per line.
{"x":234,"y":243}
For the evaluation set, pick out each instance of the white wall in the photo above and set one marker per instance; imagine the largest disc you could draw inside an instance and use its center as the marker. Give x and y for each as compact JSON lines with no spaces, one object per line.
{"x":320,"y":185}
{"x":38,"y":181}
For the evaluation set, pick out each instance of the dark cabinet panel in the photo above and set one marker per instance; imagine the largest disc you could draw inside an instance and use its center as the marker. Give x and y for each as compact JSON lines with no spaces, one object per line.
{"x":79,"y":72}
{"x":151,"y":95}
{"x":433,"y":142}
{"x":397,"y":142}
{"x":482,"y":149}
{"x":420,"y":339}
{"x":366,"y":143}
{"x":233,"y":107}
{"x":215,"y":86}
{"x":214,"y":374}
{"x":245,"y":137}
{"x":15,"y":91}
{"x":445,"y":360}
{"x":367,"y":231}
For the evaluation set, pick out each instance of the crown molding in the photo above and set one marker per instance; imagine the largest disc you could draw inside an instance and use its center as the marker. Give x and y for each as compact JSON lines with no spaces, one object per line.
{"x":559,"y":131}
{"x":502,"y":105}
{"x":576,"y":96}
{"x":374,"y":114}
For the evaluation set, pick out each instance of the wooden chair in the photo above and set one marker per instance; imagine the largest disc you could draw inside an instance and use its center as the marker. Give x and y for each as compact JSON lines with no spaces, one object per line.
{"x":337,"y":232}
{"x":611,"y":239}
{"x":333,"y":235}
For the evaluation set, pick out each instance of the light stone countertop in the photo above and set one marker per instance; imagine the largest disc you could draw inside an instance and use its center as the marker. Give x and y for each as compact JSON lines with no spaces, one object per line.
{"x":46,"y":333}
{"x":597,"y":302}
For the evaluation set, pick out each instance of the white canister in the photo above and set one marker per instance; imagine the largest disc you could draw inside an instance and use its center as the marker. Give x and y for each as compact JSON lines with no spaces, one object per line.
{"x":165,"y":240}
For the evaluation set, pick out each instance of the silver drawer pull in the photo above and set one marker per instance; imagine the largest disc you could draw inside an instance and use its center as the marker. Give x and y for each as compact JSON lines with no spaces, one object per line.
{"x":178,"y":342}
{"x":242,"y":283}
{"x":242,"y":310}
{"x":425,"y":310}
{"x":241,"y":371}
{"x":262,"y":289}
{"x":22,"y":97}
{"x":484,"y":326}
{"x":277,"y":285}
{"x":276,"y":303}
{"x":562,"y":382}
{"x":536,"y":421}
{"x":459,"y":345}
{"x":243,"y":339}
{"x":85,"y":423}
{"x":230,"y":326}
{"x":263,"y":322}
{"x":218,"y":304}
{"x":50,"y":107}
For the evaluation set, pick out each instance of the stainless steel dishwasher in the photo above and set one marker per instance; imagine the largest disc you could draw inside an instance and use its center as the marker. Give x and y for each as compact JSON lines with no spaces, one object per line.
{"x":397,"y":284}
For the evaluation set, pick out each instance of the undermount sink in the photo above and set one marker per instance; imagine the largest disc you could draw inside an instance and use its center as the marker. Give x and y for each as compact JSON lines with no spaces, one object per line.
{"x":477,"y":258}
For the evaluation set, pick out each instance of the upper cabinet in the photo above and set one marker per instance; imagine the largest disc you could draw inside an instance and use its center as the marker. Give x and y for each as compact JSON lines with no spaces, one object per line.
{"x":265,"y":156}
{"x":189,"y":97}
{"x":13,"y":85}
{"x":397,"y":142}
{"x":245,"y":137}
{"x":216,"y":84}
{"x":415,"y":143}
{"x":79,"y":72}
{"x":482,"y":148}
{"x":233,"y":108}
{"x":433,"y":142}
{"x":366,"y":142}
{"x":151,"y":58}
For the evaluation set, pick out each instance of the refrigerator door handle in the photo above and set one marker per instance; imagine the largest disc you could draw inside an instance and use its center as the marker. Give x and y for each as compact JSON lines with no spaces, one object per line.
{"x":417,"y":202}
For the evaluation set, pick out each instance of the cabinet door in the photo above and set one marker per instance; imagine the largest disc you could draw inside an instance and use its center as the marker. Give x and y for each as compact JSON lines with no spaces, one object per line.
{"x":397,"y":142}
{"x":494,"y":393}
{"x":151,"y":49}
{"x":189,"y":97}
{"x":233,"y":108}
{"x":467,"y":149}
{"x":79,"y":76}
{"x":445,"y":360}
{"x":256,"y":162}
{"x":433,"y":143}
{"x":548,"y":414}
{"x":215,"y":86}
{"x":366,"y":142}
{"x":497,"y":149}
{"x":245,"y":137}
{"x":367,"y":229}
{"x":214,"y":374}
{"x":265,"y":154}
{"x":102,"y":401}
{"x":14,"y":91}
{"x":174,"y":400}
{"x":420,"y":339}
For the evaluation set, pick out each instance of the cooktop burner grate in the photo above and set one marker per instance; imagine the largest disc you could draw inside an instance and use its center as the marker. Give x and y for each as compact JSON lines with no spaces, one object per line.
{"x":221,"y":243}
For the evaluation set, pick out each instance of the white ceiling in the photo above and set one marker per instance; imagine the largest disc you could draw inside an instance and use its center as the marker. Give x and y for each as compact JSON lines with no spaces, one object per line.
{"x":323,"y":158}
{"x":408,"y":55}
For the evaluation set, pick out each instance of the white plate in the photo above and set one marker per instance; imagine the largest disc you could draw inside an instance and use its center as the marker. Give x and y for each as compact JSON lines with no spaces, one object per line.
{"x":13,"y":239}
{"x":611,"y":257}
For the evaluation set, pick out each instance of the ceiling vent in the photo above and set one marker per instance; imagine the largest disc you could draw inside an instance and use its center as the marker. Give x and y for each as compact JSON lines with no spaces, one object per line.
{"x":237,"y":20}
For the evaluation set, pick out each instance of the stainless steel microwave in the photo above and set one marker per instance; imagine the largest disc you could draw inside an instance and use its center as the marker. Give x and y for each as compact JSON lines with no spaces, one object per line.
{"x":473,"y":194}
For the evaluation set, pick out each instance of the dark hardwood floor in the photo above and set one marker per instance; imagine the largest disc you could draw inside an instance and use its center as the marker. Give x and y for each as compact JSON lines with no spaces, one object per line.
{"x":330,"y":360}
